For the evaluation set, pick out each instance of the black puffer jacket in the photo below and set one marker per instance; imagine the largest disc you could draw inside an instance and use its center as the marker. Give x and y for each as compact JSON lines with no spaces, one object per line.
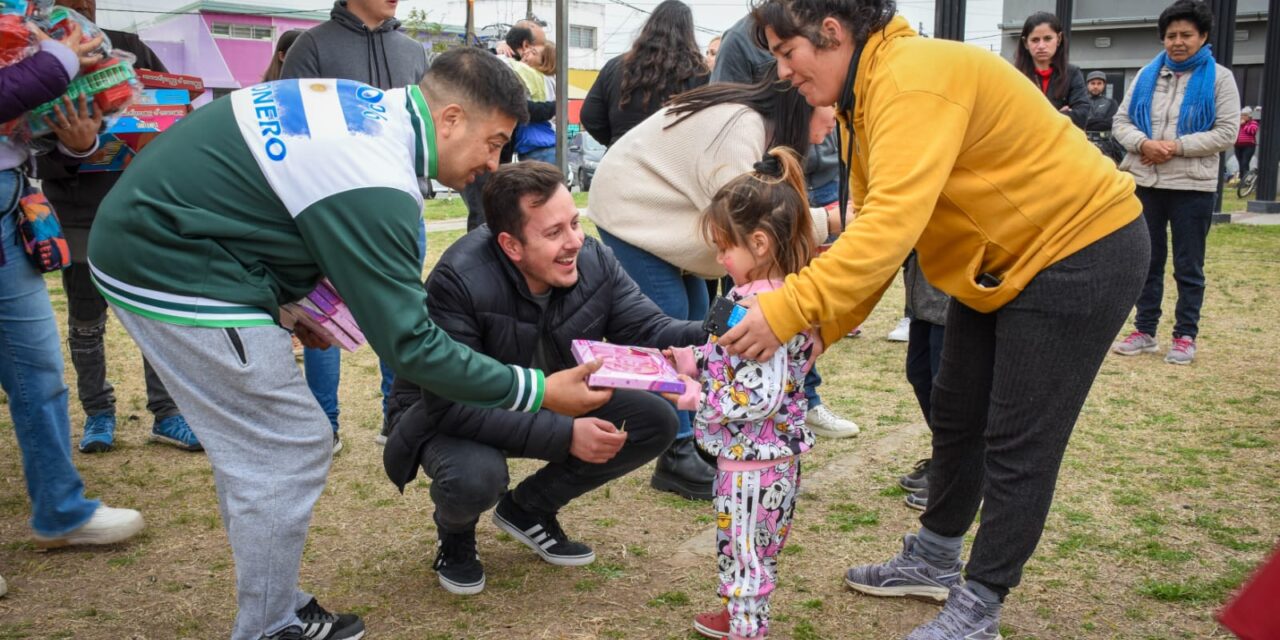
{"x":480,"y":299}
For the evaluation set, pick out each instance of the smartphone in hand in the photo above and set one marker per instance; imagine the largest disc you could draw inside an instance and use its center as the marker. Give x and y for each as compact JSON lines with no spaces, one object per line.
{"x":722,"y":316}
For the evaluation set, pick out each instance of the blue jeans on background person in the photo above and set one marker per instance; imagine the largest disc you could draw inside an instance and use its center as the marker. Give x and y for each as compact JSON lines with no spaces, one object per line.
{"x":323,"y":367}
{"x":819,"y":197}
{"x":682,"y":296}
{"x":31,"y":375}
{"x":1187,"y":216}
{"x":543,"y":154}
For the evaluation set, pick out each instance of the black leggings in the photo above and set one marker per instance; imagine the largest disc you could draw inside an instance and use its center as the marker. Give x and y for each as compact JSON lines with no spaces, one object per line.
{"x":1010,"y":388}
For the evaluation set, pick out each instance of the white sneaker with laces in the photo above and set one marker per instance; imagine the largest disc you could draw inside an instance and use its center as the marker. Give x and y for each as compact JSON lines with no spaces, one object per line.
{"x":824,"y":422}
{"x":900,"y":333}
{"x":106,"y":526}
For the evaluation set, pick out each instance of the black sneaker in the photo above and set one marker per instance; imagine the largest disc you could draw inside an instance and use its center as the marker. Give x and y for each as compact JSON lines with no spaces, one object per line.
{"x":542,"y":533}
{"x":458,"y":565}
{"x":318,"y":624}
{"x":918,"y":478}
{"x":918,"y":500}
{"x":287,"y":633}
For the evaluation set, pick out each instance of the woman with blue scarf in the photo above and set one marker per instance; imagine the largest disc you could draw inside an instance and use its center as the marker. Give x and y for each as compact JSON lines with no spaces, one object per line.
{"x":1181,"y":113}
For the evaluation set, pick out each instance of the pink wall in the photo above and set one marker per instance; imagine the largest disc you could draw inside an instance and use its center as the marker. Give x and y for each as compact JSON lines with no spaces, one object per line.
{"x":247,"y":59}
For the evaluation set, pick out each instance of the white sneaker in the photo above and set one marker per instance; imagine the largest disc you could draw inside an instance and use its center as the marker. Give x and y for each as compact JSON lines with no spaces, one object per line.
{"x":107,"y":526}
{"x":900,"y":333}
{"x":824,"y":422}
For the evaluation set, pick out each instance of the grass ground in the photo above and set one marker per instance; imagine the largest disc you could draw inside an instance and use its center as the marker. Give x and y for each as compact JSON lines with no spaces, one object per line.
{"x":1168,"y":496}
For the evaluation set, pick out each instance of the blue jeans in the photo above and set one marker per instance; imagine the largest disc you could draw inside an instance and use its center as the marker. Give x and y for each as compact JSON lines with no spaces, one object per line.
{"x":31,"y":375}
{"x":544,"y":154}
{"x":1187,"y":215}
{"x":682,"y":296}
{"x":323,"y":367}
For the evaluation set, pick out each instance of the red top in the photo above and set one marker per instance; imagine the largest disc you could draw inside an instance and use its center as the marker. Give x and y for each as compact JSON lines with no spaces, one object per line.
{"x":1044,"y":79}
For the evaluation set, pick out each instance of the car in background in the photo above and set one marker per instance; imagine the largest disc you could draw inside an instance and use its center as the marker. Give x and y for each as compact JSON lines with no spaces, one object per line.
{"x":584,"y":156}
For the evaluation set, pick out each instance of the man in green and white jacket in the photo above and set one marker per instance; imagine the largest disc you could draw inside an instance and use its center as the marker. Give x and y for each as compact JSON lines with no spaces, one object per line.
{"x":242,"y":207}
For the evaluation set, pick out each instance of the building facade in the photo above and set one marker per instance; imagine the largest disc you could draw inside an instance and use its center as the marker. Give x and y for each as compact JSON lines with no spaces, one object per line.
{"x":1120,"y":37}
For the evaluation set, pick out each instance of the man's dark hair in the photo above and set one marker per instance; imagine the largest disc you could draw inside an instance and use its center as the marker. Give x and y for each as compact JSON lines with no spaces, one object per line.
{"x":1197,"y":13}
{"x":508,"y":185}
{"x":518,"y":37}
{"x":476,"y":79}
{"x":791,"y":18}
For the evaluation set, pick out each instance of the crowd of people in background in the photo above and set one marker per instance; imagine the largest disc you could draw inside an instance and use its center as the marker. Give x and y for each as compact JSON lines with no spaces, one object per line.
{"x":741,"y":171}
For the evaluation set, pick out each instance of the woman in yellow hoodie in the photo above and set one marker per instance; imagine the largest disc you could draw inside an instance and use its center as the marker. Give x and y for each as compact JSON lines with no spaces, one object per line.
{"x":1015,"y":215}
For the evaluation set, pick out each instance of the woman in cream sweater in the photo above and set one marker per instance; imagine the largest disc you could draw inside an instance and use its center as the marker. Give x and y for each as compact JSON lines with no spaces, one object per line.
{"x":649,"y":191}
{"x":1033,"y":233}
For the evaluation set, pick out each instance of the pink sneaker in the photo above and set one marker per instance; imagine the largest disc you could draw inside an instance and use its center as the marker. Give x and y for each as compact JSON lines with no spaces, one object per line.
{"x":1137,"y":342}
{"x":1182,"y":352}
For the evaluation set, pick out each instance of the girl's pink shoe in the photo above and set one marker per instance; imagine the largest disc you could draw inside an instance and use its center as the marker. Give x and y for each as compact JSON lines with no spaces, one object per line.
{"x":712,"y":624}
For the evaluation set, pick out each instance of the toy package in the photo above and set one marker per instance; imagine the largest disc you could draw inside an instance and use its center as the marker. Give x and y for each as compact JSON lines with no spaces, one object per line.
{"x":154,"y":111}
{"x":111,"y":84}
{"x":628,"y":367}
{"x":324,"y":313}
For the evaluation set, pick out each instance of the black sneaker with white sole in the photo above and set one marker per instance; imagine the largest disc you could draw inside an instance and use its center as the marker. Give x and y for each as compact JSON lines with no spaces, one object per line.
{"x":542,"y":533}
{"x":287,"y":633}
{"x":318,"y":624}
{"x":458,"y":565}
{"x":918,"y":500}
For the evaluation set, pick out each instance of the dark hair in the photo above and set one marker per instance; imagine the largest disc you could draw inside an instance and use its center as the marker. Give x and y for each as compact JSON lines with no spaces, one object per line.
{"x":282,"y":46}
{"x":517,"y":37}
{"x":475,"y":79}
{"x":791,"y":18}
{"x":1058,"y":85}
{"x":1197,"y":13}
{"x":771,"y":199}
{"x":775,"y":100}
{"x":664,"y":57}
{"x":508,"y":185}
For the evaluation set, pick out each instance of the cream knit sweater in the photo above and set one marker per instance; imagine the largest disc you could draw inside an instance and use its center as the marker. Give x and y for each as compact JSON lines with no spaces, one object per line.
{"x":652,"y":185}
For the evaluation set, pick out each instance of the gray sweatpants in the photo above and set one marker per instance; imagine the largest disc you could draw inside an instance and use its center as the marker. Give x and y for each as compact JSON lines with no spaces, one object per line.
{"x":270,"y":445}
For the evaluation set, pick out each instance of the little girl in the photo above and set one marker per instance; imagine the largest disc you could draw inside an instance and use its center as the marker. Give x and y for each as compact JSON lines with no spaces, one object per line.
{"x":751,"y":414}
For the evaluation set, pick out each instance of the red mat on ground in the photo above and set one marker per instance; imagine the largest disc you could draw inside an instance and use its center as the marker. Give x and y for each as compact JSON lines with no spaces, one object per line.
{"x":1255,"y":612}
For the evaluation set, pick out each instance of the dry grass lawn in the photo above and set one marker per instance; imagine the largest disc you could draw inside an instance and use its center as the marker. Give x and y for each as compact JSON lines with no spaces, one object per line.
{"x":1169,"y":496}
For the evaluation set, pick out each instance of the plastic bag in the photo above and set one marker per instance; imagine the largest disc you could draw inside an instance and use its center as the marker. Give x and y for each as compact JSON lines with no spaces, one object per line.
{"x":111,"y":84}
{"x":25,"y":8}
{"x":17,"y":43}
{"x":57,"y":23}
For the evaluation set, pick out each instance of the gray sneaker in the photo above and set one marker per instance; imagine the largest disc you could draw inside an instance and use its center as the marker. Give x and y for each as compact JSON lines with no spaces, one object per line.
{"x":964,"y":617}
{"x":918,"y":500}
{"x":905,"y":575}
{"x":1137,"y":342}
{"x":1182,"y":352}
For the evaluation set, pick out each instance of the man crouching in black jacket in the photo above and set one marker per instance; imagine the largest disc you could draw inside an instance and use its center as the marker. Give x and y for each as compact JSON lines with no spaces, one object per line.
{"x":519,"y":290}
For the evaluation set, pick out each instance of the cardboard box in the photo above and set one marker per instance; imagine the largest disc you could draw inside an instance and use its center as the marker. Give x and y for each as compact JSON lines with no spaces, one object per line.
{"x":156,"y":80}
{"x":137,"y":126}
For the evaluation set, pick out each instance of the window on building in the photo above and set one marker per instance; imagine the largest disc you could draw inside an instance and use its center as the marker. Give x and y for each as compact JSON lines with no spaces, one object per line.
{"x":242,"y":31}
{"x":582,"y":37}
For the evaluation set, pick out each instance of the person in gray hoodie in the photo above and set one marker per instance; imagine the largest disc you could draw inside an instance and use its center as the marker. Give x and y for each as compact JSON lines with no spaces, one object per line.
{"x":361,"y":41}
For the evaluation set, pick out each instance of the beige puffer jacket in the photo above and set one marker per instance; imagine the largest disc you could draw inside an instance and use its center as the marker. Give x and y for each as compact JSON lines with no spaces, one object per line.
{"x":1194,"y":166}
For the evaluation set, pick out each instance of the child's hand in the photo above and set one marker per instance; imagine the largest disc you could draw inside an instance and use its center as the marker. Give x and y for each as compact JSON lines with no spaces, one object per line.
{"x":691,"y":399}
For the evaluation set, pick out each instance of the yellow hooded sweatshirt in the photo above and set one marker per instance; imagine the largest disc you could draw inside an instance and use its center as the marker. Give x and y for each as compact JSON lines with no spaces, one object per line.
{"x":955,"y":154}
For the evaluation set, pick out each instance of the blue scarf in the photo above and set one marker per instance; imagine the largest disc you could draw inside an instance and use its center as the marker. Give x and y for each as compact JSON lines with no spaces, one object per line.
{"x":1199,"y":106}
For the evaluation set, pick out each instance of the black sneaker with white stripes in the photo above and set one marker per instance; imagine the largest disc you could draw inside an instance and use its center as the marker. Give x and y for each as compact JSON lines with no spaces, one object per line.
{"x":458,"y":565}
{"x":318,"y":624}
{"x":542,"y":533}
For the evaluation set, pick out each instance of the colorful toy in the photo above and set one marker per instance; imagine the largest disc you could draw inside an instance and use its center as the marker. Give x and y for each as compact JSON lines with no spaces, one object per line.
{"x":111,"y":84}
{"x":628,"y":367}
{"x":324,"y":314}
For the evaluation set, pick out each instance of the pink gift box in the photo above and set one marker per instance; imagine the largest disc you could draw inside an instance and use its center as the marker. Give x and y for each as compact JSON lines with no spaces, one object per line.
{"x":628,"y":367}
